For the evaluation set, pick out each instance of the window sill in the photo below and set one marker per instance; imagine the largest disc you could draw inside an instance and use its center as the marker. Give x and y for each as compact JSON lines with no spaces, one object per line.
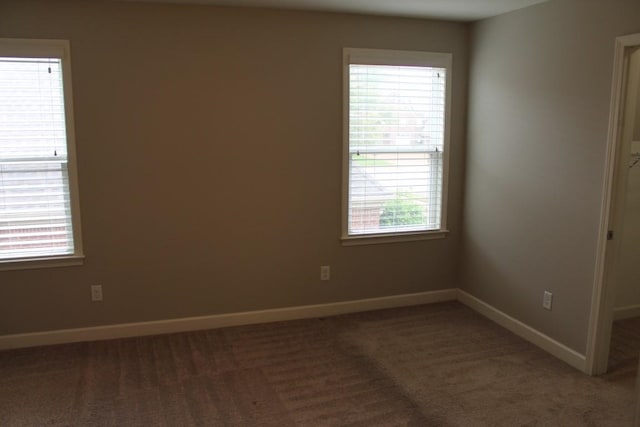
{"x":34,"y":263}
{"x":376,"y":239}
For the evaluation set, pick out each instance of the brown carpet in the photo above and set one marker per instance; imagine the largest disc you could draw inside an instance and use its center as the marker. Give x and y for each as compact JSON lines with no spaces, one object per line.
{"x":625,"y":344}
{"x":433,"y":365}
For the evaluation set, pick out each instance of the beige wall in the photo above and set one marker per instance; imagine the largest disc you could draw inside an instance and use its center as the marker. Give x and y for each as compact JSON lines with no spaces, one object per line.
{"x":209,"y":145}
{"x":636,"y":132}
{"x":539,"y":106}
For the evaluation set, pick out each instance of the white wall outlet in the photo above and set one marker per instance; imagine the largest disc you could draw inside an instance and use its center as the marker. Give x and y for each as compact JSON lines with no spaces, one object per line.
{"x":325,"y":272}
{"x":547,"y":300}
{"x":96,"y":292}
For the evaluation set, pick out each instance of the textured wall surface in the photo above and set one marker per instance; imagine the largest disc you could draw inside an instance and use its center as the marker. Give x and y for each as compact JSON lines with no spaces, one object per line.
{"x":540,"y":88}
{"x":209,"y":145}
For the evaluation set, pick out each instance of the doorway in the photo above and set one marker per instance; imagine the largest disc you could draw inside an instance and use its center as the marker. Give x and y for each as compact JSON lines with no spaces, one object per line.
{"x":625,"y":335}
{"x":614,"y":275}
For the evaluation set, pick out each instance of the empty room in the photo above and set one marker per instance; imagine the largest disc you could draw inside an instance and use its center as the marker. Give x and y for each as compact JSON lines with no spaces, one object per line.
{"x":319,"y":213}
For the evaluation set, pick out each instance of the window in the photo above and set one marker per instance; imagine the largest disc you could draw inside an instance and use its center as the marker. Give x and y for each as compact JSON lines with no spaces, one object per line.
{"x":39,"y":215}
{"x":395,"y":144}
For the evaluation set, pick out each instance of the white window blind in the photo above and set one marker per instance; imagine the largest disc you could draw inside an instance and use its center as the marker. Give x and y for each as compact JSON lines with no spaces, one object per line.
{"x":35,"y":206}
{"x":396,"y":145}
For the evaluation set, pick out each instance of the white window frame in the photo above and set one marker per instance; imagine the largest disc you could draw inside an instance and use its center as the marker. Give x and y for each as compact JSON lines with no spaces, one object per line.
{"x":50,"y":48}
{"x":399,"y":58}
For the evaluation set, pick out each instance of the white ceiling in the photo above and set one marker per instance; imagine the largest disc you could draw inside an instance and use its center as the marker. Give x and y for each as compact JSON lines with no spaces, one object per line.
{"x":458,"y":10}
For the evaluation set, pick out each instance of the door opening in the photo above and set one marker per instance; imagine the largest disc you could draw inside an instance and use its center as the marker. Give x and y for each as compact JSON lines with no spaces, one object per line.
{"x":624,"y":112}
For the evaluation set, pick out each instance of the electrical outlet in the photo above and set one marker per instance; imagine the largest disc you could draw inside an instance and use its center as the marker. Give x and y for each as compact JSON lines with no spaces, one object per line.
{"x":547,"y":300}
{"x":325,"y":272}
{"x":96,"y":292}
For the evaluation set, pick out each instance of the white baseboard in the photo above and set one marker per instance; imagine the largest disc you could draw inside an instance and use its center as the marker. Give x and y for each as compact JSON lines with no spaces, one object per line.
{"x":220,"y":320}
{"x":534,"y":336}
{"x":626,"y":312}
{"x":125,"y":330}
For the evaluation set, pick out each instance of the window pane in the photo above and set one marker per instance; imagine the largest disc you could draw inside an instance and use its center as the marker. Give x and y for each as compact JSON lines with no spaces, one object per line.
{"x":396,"y":141}
{"x":35,"y":213}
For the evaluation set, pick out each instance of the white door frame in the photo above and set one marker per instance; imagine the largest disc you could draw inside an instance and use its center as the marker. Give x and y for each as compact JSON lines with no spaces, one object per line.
{"x":601,"y":318}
